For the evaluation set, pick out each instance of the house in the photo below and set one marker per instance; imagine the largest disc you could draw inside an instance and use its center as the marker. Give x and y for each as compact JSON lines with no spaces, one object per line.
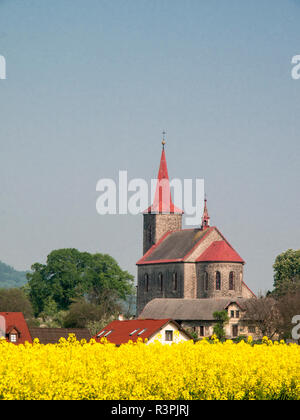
{"x":197,"y":315}
{"x":165,"y":331}
{"x":52,"y":335}
{"x":186,"y":264}
{"x":14,"y":327}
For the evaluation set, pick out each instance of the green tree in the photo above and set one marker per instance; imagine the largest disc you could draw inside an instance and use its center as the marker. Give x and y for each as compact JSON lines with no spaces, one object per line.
{"x":84,"y":314}
{"x":15,"y":300}
{"x":70,"y":275}
{"x":286,"y":272}
{"x":221,"y":317}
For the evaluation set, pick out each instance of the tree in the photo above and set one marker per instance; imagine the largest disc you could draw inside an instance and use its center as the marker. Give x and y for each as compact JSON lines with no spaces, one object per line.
{"x":221,"y":317}
{"x":286,"y":272}
{"x":70,"y":275}
{"x":15,"y":300}
{"x":83,"y":314}
{"x":263,"y":313}
{"x":288,"y":306}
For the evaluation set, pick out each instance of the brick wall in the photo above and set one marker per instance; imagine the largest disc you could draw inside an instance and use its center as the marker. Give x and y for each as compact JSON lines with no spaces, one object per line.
{"x":224,"y":269}
{"x":153,"y":271}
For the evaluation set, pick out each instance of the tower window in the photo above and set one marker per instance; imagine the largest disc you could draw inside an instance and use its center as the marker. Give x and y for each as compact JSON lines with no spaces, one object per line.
{"x":175,"y":282}
{"x":160,"y":282}
{"x":231,"y":280}
{"x":218,"y":280}
{"x":150,"y":234}
{"x":146,"y":277}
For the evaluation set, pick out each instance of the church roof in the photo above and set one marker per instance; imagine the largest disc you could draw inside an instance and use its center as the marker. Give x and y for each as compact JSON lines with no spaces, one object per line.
{"x":162,"y":200}
{"x":176,"y":246}
{"x":188,"y":309}
{"x":220,"y":251}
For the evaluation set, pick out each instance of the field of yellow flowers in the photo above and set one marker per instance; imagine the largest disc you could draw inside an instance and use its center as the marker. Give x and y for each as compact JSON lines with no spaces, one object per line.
{"x":80,"y":370}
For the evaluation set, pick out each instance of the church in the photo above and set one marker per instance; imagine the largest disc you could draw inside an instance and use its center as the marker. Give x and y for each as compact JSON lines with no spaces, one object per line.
{"x":188,"y":274}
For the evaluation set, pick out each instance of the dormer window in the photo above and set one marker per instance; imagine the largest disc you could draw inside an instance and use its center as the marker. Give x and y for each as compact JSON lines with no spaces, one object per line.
{"x":13,"y":338}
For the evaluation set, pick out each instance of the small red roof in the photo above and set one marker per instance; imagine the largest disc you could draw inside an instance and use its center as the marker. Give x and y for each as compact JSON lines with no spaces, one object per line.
{"x":123,"y":331}
{"x":16,"y":320}
{"x":162,"y":200}
{"x":220,"y":251}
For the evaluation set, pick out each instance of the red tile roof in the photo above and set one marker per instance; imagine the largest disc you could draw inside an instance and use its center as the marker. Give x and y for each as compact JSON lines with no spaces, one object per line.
{"x":220,"y":251}
{"x":16,"y":320}
{"x":121,"y":330}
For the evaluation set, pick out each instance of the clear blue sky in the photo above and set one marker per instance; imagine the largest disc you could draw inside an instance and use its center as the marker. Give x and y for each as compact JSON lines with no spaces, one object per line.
{"x":90,"y":87}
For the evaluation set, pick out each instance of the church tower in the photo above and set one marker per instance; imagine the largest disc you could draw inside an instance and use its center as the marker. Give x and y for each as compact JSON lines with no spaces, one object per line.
{"x":162,"y":216}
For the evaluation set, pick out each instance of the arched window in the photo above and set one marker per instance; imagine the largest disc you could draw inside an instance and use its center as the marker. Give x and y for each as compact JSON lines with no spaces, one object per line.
{"x":160,"y":282}
{"x":175,"y":282}
{"x":218,"y":280}
{"x":146,"y":278}
{"x":231,"y":280}
{"x":206,"y":281}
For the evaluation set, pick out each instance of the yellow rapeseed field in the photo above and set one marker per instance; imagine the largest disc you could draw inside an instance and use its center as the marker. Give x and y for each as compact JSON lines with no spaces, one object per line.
{"x":186,"y":371}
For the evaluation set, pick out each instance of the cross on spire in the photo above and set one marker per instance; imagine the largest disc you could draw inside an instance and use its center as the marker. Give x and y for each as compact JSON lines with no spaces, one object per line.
{"x":164,"y":139}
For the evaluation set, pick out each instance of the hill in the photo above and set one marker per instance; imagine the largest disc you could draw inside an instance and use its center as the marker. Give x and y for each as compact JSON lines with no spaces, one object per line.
{"x":9,"y":277}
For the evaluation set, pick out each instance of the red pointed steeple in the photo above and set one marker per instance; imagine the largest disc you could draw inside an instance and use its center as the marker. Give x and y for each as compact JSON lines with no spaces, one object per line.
{"x":162,"y":200}
{"x":205,"y":217}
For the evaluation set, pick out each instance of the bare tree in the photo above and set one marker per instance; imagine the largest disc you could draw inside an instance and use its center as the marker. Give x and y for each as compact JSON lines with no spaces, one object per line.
{"x":264,"y":314}
{"x":288,"y":306}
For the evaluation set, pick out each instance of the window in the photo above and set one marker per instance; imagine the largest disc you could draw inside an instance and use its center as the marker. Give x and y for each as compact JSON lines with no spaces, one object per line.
{"x":237,"y":314}
{"x":13,"y":338}
{"x":175,"y":283}
{"x":169,"y":335}
{"x":202,"y":331}
{"x":141,"y":332}
{"x":206,"y":281}
{"x":218,"y":280}
{"x":150,"y":234}
{"x":231,"y":314}
{"x":107,"y":334}
{"x":133,"y":332}
{"x":160,"y":282}
{"x":231,"y":280}
{"x":146,"y":278}
{"x":102,"y":332}
{"x":251,"y":329}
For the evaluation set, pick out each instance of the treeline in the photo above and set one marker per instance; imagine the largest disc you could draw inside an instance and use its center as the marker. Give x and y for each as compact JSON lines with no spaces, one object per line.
{"x":9,"y":277}
{"x":73,"y":289}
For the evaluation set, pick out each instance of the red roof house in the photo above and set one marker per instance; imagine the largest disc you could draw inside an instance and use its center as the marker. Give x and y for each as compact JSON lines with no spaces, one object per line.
{"x":14,"y":327}
{"x":120,"y":332}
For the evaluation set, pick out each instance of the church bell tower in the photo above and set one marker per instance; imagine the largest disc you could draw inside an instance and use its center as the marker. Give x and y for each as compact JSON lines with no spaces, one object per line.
{"x":162,"y":216}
